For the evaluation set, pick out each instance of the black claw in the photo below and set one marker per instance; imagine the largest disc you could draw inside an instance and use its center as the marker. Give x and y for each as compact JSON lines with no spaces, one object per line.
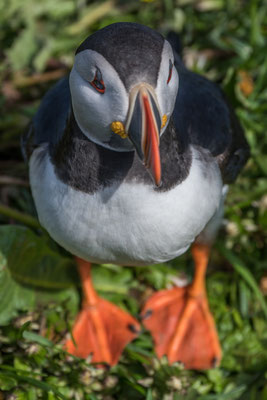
{"x":133,"y":328}
{"x":214,"y":362}
{"x":106,"y":366}
{"x":147,"y":314}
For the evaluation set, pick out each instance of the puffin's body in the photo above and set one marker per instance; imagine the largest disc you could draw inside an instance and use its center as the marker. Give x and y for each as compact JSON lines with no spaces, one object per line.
{"x":94,"y":132}
{"x":127,"y":221}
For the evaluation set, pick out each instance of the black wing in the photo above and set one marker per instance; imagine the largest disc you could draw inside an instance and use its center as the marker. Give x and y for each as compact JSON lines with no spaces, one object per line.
{"x":49,"y":122}
{"x":203,"y":114}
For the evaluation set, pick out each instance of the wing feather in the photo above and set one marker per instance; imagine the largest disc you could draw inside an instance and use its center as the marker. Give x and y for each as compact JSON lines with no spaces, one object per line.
{"x":50,"y":121}
{"x":204,"y":115}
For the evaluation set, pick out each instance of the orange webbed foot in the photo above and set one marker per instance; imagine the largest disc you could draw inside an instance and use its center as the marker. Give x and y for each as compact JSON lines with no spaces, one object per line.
{"x":102,"y":329}
{"x":182,"y":328}
{"x":180,"y":321}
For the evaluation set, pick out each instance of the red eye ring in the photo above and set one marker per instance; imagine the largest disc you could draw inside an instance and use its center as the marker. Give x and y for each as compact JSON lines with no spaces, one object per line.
{"x":98,"y":83}
{"x":170,"y":71}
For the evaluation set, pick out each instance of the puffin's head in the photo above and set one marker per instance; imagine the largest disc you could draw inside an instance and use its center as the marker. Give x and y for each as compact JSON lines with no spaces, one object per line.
{"x":123,"y":87}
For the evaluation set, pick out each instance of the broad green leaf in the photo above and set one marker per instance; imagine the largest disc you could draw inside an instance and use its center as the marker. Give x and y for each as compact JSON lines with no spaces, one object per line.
{"x":12,"y":295}
{"x":233,"y":395}
{"x":33,"y":337}
{"x":31,"y":260}
{"x":7,"y":383}
{"x":23,"y":49}
{"x":30,"y":273}
{"x":107,"y":281}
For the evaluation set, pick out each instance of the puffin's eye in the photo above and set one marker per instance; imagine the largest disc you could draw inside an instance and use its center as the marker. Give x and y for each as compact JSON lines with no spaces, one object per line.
{"x":170,"y":71}
{"x":98,"y":82}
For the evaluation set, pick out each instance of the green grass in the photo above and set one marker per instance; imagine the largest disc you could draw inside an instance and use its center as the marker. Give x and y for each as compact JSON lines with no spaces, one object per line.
{"x":224,"y":40}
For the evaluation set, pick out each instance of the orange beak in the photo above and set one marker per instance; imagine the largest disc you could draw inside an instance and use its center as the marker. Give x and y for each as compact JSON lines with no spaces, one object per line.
{"x":143,"y":128}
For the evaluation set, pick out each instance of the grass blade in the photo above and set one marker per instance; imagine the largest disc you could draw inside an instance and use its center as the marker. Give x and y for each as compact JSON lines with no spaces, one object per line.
{"x":243,"y":271}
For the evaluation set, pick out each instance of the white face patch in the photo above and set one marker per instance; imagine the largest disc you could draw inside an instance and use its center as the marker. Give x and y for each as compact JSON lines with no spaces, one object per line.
{"x":167,"y":92}
{"x":94,"y":111}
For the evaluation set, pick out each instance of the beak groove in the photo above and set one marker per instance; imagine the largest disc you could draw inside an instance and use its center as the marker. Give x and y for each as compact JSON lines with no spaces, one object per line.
{"x":150,"y":141}
{"x":143,"y":127}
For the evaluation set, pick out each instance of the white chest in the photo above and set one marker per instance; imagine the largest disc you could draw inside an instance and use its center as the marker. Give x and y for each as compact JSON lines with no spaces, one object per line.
{"x":129,"y":224}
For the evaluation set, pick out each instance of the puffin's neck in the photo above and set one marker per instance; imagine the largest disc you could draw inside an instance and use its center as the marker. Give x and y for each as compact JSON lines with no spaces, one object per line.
{"x":88,"y":167}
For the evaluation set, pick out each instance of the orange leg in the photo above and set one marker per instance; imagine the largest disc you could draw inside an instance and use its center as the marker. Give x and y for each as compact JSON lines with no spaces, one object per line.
{"x":181,"y":323}
{"x":101,"y":328}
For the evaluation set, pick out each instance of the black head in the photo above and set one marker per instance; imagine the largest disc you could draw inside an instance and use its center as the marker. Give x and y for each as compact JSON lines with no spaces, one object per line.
{"x":128,"y":47}
{"x":123,"y":86}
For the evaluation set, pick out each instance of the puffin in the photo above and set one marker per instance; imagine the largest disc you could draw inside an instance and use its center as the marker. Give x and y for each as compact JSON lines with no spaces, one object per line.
{"x":130,"y":157}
